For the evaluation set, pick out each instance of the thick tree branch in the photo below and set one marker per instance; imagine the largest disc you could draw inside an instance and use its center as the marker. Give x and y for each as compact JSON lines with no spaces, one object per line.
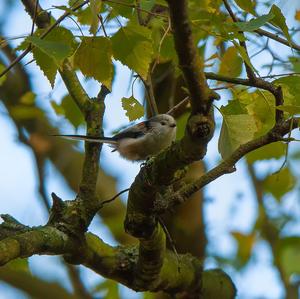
{"x":117,"y":263}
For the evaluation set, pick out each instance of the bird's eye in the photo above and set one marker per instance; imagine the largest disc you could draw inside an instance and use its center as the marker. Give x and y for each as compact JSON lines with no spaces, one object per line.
{"x":163,"y":123}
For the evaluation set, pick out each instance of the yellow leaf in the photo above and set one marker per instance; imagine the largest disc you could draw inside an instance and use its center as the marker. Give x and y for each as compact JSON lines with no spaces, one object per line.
{"x":297,"y":15}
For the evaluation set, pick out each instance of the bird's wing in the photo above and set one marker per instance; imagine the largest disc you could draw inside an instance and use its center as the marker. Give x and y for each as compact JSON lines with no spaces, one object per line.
{"x":135,"y":131}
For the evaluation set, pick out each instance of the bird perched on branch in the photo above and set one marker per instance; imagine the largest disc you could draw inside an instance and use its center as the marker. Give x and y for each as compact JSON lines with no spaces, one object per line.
{"x":139,"y":141}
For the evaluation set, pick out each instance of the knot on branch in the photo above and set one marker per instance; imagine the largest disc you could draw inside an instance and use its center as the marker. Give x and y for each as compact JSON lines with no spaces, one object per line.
{"x":139,"y":225}
{"x":69,"y":217}
{"x":43,"y":19}
{"x":201,"y":128}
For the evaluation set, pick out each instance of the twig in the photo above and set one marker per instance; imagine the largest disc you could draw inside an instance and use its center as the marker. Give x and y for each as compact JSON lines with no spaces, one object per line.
{"x":34,"y":16}
{"x":287,"y":148}
{"x":160,"y":44}
{"x":102,"y":24}
{"x":150,"y":93}
{"x":278,"y":39}
{"x":78,"y":286}
{"x":170,"y":239}
{"x":250,"y":73}
{"x":139,"y":15}
{"x":179,"y":107}
{"x":114,"y":197}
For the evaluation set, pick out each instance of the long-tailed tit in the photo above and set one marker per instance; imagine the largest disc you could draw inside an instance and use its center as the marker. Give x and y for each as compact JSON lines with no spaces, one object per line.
{"x":139,"y":141}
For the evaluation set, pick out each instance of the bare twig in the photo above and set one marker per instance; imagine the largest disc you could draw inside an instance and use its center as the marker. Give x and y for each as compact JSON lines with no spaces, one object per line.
{"x":114,"y":197}
{"x":170,"y":239}
{"x":102,"y":25}
{"x":150,"y":94}
{"x":34,"y":16}
{"x":278,"y":39}
{"x":177,"y":109}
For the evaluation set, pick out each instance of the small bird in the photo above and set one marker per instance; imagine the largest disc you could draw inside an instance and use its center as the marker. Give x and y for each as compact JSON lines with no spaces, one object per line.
{"x":139,"y":141}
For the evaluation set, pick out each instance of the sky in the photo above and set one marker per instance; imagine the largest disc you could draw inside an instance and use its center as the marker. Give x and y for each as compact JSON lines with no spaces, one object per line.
{"x":226,"y":212}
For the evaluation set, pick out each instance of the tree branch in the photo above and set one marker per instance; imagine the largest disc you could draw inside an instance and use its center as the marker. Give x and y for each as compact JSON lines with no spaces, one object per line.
{"x":277,"y":38}
{"x":189,"y":59}
{"x":117,"y":263}
{"x":227,"y":166}
{"x":250,"y":73}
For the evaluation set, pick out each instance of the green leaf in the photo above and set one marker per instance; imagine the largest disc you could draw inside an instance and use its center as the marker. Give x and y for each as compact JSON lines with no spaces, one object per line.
{"x":93,"y":58}
{"x":132,"y":45}
{"x":234,"y":107}
{"x":19,"y":264}
{"x":291,"y":109}
{"x":295,"y":61}
{"x":244,"y":55}
{"x":287,"y":254}
{"x":246,"y":5}
{"x":47,"y":63}
{"x":110,"y":288}
{"x":59,"y":110}
{"x":291,"y":89}
{"x":279,"y":21}
{"x":231,"y":63}
{"x":254,"y":24}
{"x":28,"y":98}
{"x":261,"y":106}
{"x":134,"y":110}
{"x":123,"y":8}
{"x":181,"y":122}
{"x":236,"y":130}
{"x":280,"y":183}
{"x":274,"y":150}
{"x":58,"y":51}
{"x":95,"y":7}
{"x":25,"y":112}
{"x":70,"y":110}
{"x":149,"y":295}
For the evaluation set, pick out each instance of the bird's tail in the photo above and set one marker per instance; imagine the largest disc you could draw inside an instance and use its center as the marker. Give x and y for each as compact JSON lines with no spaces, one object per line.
{"x":89,"y":138}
